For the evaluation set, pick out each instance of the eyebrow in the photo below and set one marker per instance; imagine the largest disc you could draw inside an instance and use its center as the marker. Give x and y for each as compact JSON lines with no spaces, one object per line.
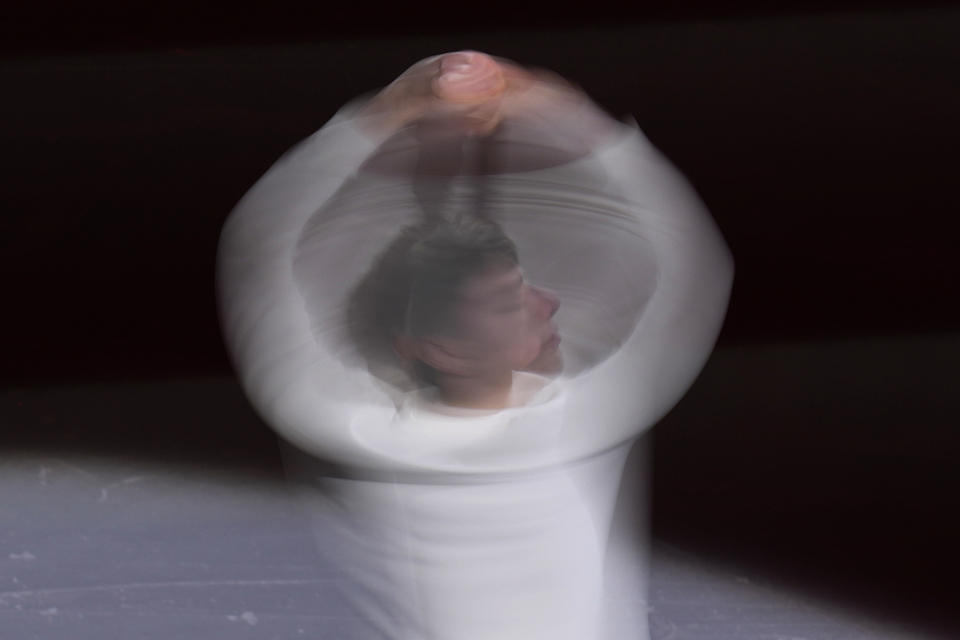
{"x":501,"y":290}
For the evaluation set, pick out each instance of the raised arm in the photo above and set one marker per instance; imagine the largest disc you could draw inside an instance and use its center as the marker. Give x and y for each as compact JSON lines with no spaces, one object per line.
{"x":298,"y":388}
{"x":625,"y":184}
{"x":679,"y":325}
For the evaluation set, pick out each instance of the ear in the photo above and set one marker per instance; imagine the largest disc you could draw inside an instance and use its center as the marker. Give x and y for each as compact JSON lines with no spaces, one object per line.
{"x":446,"y":356}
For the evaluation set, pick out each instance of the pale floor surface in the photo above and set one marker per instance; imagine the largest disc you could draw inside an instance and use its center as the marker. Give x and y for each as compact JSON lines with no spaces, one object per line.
{"x":102,"y":548}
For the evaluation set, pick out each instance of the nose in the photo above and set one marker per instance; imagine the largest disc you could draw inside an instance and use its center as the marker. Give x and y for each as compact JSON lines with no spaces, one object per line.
{"x":547,"y":301}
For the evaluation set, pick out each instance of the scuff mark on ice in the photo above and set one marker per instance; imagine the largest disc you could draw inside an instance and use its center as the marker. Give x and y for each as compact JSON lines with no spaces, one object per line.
{"x":104,"y":491}
{"x":247,"y":616}
{"x":197,"y":584}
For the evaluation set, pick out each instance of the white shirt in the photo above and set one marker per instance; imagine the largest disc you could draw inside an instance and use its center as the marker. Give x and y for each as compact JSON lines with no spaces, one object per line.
{"x":482,"y":526}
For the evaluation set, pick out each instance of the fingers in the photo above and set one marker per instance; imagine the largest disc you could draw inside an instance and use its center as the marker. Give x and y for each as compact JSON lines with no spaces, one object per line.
{"x":468,"y":77}
{"x":470,"y":90}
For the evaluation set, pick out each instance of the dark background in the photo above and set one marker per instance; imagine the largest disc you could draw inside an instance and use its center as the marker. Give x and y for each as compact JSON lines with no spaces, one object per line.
{"x":820,"y":441}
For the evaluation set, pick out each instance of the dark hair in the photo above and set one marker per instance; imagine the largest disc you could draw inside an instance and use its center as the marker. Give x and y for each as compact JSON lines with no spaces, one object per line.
{"x":414,"y":286}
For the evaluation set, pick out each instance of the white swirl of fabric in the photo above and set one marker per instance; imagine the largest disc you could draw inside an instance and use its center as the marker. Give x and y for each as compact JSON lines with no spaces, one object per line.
{"x":467,"y":525}
{"x":572,"y":226}
{"x":642,"y":272}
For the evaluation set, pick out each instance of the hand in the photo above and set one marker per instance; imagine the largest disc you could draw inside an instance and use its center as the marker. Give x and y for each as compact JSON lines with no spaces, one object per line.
{"x":468,"y":90}
{"x":483,"y":91}
{"x":460,"y":88}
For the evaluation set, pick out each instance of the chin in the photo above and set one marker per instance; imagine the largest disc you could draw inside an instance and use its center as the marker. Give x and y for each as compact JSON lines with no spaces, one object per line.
{"x":548,"y":362}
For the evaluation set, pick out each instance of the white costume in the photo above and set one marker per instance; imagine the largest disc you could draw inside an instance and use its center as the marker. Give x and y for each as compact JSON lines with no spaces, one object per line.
{"x":468,"y":525}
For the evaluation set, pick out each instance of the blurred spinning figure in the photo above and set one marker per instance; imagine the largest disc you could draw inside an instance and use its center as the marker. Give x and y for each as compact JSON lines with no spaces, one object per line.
{"x":393,"y":293}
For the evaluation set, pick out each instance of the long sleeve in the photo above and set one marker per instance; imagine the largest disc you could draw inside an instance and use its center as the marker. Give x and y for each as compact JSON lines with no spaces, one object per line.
{"x":681,"y":320}
{"x":294,"y":385}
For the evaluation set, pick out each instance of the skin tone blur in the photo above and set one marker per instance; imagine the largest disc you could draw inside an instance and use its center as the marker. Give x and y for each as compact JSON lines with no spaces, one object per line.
{"x":505,"y":324}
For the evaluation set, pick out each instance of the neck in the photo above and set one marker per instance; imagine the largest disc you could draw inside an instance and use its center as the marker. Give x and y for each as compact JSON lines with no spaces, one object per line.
{"x":477,"y":393}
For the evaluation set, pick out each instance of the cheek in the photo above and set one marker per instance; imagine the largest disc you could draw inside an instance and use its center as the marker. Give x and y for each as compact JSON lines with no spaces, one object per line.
{"x":506,"y":337}
{"x":500,"y":329}
{"x":526,"y":348}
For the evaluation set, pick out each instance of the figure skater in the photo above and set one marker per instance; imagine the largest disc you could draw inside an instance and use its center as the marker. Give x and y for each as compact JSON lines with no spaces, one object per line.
{"x":379,"y":294}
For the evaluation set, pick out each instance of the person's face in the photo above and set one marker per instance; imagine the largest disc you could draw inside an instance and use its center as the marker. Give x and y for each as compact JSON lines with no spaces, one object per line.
{"x":506,"y":324}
